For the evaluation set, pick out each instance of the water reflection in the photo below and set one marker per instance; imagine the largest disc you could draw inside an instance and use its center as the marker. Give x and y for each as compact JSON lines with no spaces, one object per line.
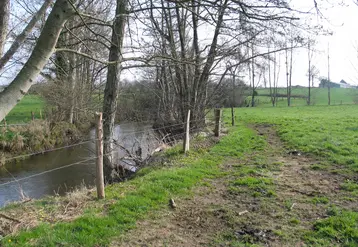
{"x":130,"y":135}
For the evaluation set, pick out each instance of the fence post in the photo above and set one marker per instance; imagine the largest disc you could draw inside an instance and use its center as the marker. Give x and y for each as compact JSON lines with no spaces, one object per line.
{"x":40,"y":113}
{"x":233,"y":116}
{"x":187,"y":137}
{"x":217,"y":122}
{"x":99,"y":153}
{"x":33,"y":115}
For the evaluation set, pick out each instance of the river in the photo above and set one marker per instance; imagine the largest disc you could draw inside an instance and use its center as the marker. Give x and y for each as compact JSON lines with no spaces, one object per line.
{"x":31,"y":178}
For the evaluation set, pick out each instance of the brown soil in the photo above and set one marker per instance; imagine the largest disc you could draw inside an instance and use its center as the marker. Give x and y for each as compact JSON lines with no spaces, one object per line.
{"x":215,"y":216}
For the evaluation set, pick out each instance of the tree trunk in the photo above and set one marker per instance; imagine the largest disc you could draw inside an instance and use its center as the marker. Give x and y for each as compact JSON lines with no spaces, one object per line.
{"x":290,"y":77}
{"x":233,"y":99}
{"x":72,"y":82}
{"x":329,"y":80}
{"x":44,"y":48}
{"x":112,"y":86}
{"x":4,"y":18}
{"x":253,"y":77}
{"x":19,"y":40}
{"x":309,"y":74}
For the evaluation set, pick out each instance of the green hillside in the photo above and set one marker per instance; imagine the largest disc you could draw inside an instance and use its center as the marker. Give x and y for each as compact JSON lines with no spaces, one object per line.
{"x":319,"y":96}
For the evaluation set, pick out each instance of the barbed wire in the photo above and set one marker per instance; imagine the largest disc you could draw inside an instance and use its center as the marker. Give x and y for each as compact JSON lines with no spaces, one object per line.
{"x":54,"y":169}
{"x":15,"y":180}
{"x":50,"y":150}
{"x":48,"y":171}
{"x":154,"y":129}
{"x":92,"y":140}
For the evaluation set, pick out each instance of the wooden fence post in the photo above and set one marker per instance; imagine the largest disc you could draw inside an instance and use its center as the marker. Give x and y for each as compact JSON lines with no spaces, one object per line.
{"x":232,"y":116}
{"x":217,"y":122}
{"x":99,"y":153}
{"x":187,"y":136}
{"x":40,"y":113}
{"x":33,"y":115}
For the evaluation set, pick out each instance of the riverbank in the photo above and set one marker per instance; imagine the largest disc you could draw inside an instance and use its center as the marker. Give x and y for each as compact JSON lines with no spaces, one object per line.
{"x":172,"y":174}
{"x":35,"y":137}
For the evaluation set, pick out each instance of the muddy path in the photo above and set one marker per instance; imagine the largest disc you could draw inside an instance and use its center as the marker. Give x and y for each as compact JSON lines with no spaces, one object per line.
{"x":270,"y":197}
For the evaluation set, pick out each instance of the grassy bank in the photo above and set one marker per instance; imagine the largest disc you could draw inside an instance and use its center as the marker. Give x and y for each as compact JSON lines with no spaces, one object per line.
{"x":36,"y":136}
{"x":22,"y":111}
{"x":281,"y":177}
{"x":128,"y":202}
{"x":23,"y":136}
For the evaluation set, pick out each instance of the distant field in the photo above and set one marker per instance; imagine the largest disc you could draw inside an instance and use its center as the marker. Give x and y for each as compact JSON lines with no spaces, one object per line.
{"x":319,"y":96}
{"x":22,"y":112}
{"x":327,"y":131}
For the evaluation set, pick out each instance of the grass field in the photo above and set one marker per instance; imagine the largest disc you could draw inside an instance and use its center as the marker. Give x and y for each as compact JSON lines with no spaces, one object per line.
{"x":281,"y":177}
{"x":22,"y":111}
{"x":329,"y":132}
{"x":319,"y":96}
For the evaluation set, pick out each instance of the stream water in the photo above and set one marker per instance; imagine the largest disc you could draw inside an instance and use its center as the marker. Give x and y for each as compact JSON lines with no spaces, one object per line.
{"x":30,"y":177}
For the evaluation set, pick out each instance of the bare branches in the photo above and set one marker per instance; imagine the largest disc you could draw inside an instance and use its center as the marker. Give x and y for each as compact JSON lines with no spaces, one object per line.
{"x":19,"y":40}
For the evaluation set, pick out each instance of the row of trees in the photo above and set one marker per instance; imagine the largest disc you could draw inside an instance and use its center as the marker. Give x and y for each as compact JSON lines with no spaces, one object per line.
{"x":184,"y":51}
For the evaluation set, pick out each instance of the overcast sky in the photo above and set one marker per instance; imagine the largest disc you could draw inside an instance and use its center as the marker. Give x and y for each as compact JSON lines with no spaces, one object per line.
{"x":342,"y":21}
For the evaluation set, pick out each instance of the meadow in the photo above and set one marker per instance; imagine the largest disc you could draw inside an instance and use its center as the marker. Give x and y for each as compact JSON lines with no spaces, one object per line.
{"x":305,"y":199}
{"x":22,"y":112}
{"x":328,"y":132}
{"x":283,"y":176}
{"x":319,"y":96}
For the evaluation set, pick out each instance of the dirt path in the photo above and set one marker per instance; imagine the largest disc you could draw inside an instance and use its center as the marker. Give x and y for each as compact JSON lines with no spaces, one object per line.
{"x":269,"y":198}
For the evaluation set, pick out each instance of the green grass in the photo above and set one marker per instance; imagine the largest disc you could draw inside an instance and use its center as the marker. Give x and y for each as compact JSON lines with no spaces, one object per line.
{"x":319,"y":96}
{"x":328,"y":132}
{"x":350,"y":186}
{"x":128,"y":202}
{"x":341,"y":227}
{"x":258,"y":186}
{"x":22,"y":111}
{"x":320,"y":200}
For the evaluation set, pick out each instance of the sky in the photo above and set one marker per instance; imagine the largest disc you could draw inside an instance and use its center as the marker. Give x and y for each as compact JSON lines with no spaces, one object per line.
{"x":341,"y":20}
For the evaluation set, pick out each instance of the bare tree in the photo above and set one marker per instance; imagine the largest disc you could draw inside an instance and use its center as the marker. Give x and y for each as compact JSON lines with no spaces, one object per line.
{"x":112,"y":84}
{"x":273,"y":79}
{"x":289,"y":60}
{"x":43,"y":50}
{"x":328,"y":77}
{"x":20,"y":39}
{"x":312,"y":70}
{"x":4,"y":17}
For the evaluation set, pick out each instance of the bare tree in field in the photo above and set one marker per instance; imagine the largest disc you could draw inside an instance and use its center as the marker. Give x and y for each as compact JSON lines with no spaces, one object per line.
{"x":273,"y":79}
{"x":289,"y":65}
{"x":328,"y":77}
{"x":253,"y":75}
{"x":312,"y":70}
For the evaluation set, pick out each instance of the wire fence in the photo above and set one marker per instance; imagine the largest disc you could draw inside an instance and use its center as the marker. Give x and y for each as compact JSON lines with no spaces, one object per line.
{"x":172,"y":139}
